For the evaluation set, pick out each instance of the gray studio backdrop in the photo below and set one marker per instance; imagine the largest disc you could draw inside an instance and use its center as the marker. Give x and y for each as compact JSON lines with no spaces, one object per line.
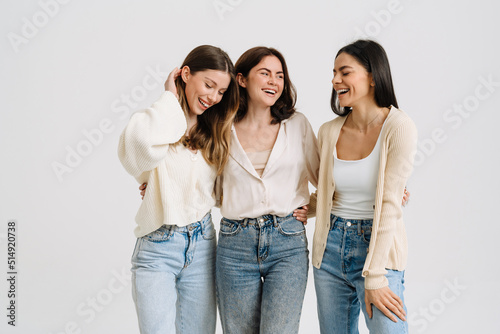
{"x":74,"y":71}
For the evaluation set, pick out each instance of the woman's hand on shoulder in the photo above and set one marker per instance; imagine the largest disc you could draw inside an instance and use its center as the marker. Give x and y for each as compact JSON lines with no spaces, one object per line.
{"x":142,"y":188}
{"x":170,"y":82}
{"x":406,"y":197}
{"x":301,"y":214}
{"x":386,"y":301}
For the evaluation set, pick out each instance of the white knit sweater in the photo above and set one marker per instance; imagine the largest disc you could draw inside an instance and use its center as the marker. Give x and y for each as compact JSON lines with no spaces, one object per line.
{"x":180,"y":183}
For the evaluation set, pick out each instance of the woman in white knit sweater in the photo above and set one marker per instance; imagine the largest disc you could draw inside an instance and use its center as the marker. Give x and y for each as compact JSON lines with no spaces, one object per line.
{"x":178,"y":146}
{"x":359,"y":247}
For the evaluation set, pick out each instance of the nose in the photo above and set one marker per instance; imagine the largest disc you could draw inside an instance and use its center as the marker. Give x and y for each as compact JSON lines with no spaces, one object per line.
{"x":272,"y":80}
{"x":212,"y":98}
{"x":336,"y":79}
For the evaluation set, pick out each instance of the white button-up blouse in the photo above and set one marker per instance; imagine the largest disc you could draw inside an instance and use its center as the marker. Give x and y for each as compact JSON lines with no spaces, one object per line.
{"x":283,"y":186}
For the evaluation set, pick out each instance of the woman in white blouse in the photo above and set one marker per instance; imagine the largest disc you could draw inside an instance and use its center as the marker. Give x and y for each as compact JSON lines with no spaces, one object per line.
{"x":262,"y":256}
{"x":179,"y":146}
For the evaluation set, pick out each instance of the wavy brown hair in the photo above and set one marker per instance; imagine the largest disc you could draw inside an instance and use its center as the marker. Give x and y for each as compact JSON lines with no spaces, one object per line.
{"x":212,"y":132}
{"x":285,"y":106}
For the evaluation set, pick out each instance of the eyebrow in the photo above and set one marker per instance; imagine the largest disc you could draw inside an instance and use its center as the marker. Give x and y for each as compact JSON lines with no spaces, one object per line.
{"x":268,"y":70}
{"x":215,"y":83}
{"x":343,"y":68}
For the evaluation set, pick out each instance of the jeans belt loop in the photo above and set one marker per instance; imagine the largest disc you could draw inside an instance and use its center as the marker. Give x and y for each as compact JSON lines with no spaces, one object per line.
{"x":275,"y":221}
{"x":169,"y":229}
{"x":359,"y":228}
{"x":244,"y":222}
{"x":332,"y":223}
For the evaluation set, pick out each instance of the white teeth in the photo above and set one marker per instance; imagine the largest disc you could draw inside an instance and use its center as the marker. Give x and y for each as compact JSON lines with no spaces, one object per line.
{"x":203,"y":104}
{"x":341,"y":91}
{"x":269,"y":91}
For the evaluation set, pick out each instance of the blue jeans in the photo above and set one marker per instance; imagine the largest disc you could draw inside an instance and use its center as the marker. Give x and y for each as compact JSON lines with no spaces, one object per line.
{"x":340,"y":289}
{"x":261,"y":274}
{"x":173,"y":279}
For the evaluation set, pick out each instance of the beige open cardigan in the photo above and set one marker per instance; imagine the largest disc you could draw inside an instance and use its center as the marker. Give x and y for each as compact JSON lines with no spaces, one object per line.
{"x":388,"y":246}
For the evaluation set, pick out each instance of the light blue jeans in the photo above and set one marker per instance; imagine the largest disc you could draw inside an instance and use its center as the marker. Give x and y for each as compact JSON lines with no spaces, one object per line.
{"x":261,"y":274}
{"x":340,"y":289}
{"x":173,"y":279}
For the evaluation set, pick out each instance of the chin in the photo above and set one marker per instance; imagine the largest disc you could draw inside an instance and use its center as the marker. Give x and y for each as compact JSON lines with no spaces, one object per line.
{"x":343,"y":104}
{"x":198,"y":111}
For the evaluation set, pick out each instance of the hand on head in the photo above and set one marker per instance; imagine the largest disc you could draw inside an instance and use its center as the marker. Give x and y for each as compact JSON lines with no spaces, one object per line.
{"x":170,"y":82}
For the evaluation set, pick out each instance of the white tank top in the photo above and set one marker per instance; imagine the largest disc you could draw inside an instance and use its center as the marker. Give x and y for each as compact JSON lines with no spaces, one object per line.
{"x":356,"y":184}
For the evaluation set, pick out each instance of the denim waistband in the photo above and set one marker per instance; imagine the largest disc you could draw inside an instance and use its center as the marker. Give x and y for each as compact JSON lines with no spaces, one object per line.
{"x":355,"y":224}
{"x":262,"y":221}
{"x":203,"y":222}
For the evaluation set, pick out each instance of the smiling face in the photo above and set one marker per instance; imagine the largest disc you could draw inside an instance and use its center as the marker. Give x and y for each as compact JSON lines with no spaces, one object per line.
{"x":264,"y":83}
{"x":351,"y":81}
{"x":204,"y":88}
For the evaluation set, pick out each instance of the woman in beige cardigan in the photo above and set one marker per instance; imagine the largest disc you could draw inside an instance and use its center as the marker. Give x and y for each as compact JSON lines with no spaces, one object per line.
{"x":359,"y":246}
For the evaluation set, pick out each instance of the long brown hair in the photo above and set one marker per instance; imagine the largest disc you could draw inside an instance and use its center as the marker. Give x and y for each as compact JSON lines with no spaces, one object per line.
{"x":285,"y":106}
{"x":212,"y":132}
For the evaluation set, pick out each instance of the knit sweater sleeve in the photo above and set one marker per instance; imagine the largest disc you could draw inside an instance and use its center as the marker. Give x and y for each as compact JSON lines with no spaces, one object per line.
{"x":145,"y":140}
{"x":399,"y":164}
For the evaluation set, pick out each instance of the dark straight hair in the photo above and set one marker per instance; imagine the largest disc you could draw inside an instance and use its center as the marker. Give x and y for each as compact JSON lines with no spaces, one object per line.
{"x":373,"y":58}
{"x":285,"y":106}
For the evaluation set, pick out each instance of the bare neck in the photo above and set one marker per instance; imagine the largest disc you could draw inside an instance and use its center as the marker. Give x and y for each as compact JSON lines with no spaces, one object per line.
{"x":257,"y":116}
{"x":191,"y":121}
{"x":368,"y":115}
